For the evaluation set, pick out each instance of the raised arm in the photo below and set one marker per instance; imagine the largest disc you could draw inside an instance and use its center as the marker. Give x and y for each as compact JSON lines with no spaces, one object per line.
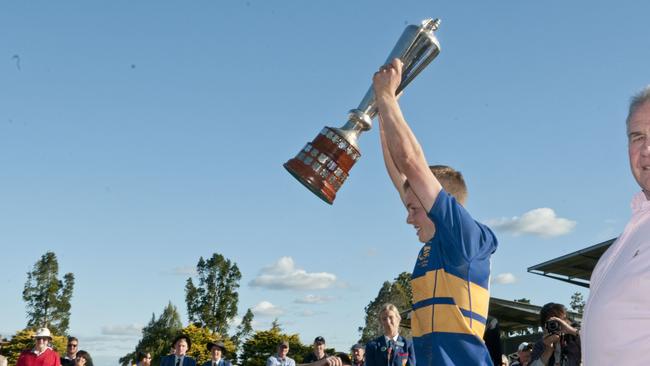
{"x":402,"y":147}
{"x":395,"y":175}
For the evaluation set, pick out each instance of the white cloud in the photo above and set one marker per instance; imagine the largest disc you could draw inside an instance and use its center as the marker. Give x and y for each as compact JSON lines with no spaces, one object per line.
{"x":266,"y":308}
{"x":283,"y":275}
{"x":539,"y":222}
{"x":122,"y":330}
{"x":313,"y":299}
{"x":504,"y":279}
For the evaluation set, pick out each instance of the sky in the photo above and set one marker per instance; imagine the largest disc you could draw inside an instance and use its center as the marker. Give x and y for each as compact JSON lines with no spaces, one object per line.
{"x":137,"y":136}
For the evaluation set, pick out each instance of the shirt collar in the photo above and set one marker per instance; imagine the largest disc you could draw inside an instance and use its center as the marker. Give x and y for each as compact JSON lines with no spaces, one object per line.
{"x":640,"y":203}
{"x":394,"y":339}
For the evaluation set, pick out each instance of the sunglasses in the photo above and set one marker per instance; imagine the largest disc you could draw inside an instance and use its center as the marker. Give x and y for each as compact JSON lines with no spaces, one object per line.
{"x":72,"y":345}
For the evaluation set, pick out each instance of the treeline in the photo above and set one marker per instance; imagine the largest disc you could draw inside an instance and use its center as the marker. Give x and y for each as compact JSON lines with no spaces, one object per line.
{"x":211,"y":301}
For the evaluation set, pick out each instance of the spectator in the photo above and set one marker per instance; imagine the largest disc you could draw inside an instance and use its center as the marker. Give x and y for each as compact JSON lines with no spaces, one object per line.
{"x":560,"y":344}
{"x":492,"y":339}
{"x":391,"y":348}
{"x":358,"y":354}
{"x":71,"y":352}
{"x":3,"y":359}
{"x":523,"y":354}
{"x":617,"y":315}
{"x":83,"y":359}
{"x":143,"y":359}
{"x":181,"y":345}
{"x":42,"y":354}
{"x":217,"y":350}
{"x":281,"y":358}
{"x":318,"y":352}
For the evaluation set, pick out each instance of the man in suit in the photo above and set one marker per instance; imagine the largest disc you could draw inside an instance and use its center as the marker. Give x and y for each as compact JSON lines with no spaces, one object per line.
{"x":181,"y":345}
{"x":216,"y":349}
{"x":390,"y":349}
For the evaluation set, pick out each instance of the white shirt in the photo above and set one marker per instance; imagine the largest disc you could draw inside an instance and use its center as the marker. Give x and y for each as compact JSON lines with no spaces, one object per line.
{"x":616,"y":322}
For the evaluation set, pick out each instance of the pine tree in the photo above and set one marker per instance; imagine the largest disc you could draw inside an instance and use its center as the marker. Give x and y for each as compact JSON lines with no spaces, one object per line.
{"x":48,"y":297}
{"x":213,"y":303}
{"x":157,"y":336}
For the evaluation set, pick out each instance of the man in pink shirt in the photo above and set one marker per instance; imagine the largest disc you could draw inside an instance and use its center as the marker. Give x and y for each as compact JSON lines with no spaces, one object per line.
{"x":616,"y":322}
{"x":41,"y":354}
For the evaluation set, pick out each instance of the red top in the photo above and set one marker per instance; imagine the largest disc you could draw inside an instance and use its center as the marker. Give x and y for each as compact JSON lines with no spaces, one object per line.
{"x":48,"y":358}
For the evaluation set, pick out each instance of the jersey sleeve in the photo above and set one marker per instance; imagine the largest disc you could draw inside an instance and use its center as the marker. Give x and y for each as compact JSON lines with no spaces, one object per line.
{"x":465,"y":235}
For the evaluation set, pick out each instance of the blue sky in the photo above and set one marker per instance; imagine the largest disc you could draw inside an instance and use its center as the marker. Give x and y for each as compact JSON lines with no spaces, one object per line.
{"x":137,"y":136}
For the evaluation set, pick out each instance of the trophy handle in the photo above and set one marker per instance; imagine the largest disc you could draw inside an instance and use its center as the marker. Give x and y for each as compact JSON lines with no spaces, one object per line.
{"x":416,"y":48}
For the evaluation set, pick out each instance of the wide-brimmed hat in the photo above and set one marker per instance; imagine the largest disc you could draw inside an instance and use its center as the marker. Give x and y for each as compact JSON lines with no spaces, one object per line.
{"x":43,"y":333}
{"x":185,"y":337}
{"x":219,"y":344}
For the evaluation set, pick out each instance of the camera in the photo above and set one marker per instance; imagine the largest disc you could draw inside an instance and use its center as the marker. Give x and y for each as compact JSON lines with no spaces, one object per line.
{"x":553,"y":327}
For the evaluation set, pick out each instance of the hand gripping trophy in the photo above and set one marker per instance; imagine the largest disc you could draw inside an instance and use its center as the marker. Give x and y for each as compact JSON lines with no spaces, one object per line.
{"x":324,"y":164}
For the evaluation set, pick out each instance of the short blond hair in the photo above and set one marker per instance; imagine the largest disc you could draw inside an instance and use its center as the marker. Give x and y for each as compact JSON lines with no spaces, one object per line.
{"x":450,"y":179}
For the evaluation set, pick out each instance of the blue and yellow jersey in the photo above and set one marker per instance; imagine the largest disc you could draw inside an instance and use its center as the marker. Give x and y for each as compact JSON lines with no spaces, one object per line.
{"x":450,"y":284}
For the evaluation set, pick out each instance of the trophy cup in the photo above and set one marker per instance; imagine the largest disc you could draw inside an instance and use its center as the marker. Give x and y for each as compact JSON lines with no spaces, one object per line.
{"x":324,"y":164}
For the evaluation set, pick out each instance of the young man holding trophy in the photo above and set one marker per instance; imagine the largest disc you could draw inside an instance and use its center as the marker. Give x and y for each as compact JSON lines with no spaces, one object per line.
{"x":450,"y":280}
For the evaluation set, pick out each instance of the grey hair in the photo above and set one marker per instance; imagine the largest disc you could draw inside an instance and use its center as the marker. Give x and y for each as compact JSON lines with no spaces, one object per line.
{"x":636,"y":102}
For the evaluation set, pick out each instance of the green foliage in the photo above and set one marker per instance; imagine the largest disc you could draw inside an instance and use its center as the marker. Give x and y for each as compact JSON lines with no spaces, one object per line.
{"x":213,"y":303}
{"x":398,"y":293}
{"x":244,"y":330}
{"x":200,"y":338}
{"x":47,"y":297}
{"x":24,"y":340}
{"x":577,"y":303}
{"x":157,"y":336}
{"x":264,"y":343}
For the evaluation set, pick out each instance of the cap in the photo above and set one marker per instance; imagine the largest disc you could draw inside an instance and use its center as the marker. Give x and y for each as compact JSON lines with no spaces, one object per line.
{"x":219,"y":344}
{"x":319,"y":339}
{"x":358,"y":346}
{"x":283,"y":343}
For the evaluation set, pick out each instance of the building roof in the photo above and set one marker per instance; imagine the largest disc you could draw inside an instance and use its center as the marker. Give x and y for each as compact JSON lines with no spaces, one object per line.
{"x":574,"y":267}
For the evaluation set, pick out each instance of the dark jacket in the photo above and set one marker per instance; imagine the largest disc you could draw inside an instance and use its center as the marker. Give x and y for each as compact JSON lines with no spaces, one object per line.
{"x":402,"y":352}
{"x":170,"y":360}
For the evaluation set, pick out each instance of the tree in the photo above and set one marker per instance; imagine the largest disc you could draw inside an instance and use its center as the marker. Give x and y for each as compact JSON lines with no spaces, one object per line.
{"x":200,"y":338}
{"x":157,"y":336}
{"x":523,"y":300}
{"x":244,"y":329}
{"x":213,"y":303}
{"x":264,"y":343}
{"x":24,"y":340}
{"x":577,"y":303}
{"x":48,"y":297}
{"x":398,"y":293}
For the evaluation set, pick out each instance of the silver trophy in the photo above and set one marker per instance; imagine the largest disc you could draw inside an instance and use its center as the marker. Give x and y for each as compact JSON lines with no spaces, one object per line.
{"x":324,"y":164}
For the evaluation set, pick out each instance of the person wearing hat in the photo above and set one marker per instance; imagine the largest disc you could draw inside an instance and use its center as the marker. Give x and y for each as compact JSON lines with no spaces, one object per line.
{"x":281,"y":358}
{"x":358,"y":354}
{"x":41,"y":354}
{"x":181,"y":345}
{"x":523,"y":354}
{"x":318,"y":352}
{"x":216,"y":349}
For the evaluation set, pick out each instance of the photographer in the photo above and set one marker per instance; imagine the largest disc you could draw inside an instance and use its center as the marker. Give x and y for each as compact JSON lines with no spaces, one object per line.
{"x":560,"y":345}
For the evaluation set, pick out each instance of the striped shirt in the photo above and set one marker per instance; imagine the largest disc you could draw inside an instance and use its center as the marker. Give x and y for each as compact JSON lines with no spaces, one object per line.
{"x":450,"y":285}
